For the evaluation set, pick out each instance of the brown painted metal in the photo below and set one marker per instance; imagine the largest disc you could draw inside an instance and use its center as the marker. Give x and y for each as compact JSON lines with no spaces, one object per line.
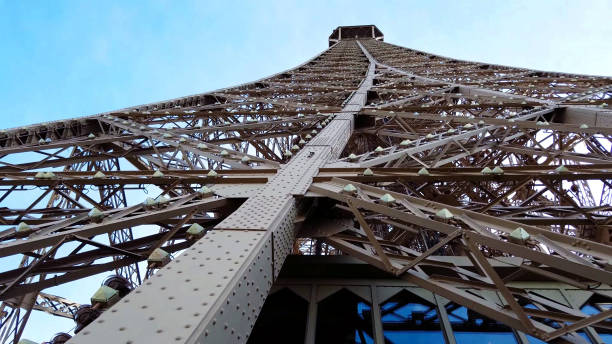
{"x":429,"y":127}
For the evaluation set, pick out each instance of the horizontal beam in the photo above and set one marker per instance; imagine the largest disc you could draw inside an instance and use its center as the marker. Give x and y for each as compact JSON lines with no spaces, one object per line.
{"x":116,"y":219}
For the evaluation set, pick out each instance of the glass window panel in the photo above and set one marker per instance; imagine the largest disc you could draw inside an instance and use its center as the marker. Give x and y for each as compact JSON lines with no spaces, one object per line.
{"x":606,"y":337}
{"x":470,"y":327}
{"x":407,"y":318}
{"x":594,"y":306}
{"x":282,"y":320}
{"x":584,"y":335}
{"x":534,"y":340}
{"x":548,"y":322}
{"x":485,"y":338}
{"x":344,"y":318}
{"x":590,"y":310}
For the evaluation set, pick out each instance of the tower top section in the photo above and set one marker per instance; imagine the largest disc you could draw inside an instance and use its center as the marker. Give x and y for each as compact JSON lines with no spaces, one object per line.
{"x":352,"y":32}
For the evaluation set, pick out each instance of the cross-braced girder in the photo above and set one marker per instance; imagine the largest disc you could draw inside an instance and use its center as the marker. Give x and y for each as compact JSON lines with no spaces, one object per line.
{"x":394,"y":156}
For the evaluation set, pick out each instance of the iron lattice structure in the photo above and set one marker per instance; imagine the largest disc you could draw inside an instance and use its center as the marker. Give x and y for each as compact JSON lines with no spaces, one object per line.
{"x":465,"y":179}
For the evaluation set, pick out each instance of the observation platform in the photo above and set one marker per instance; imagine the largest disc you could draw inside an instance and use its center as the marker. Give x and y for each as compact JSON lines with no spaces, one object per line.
{"x":353,"y":32}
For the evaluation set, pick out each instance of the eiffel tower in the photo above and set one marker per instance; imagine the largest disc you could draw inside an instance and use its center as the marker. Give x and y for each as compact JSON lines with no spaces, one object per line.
{"x":370,"y":195}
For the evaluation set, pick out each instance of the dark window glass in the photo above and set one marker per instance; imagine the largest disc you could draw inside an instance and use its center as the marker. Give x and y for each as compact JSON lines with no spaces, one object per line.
{"x":282,"y":320}
{"x":589,"y":310}
{"x":485,"y":337}
{"x":407,"y":318}
{"x":534,"y":340}
{"x":595,"y":305}
{"x":344,"y":318}
{"x":606,"y":337}
{"x":584,"y":335}
{"x":549,"y":322}
{"x":470,"y":327}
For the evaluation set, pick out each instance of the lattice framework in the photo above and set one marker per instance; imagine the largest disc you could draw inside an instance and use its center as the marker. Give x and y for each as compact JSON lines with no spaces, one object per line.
{"x":388,"y":154}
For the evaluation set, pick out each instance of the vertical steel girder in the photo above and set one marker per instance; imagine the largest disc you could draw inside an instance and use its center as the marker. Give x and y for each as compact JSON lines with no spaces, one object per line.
{"x":229,"y":312}
{"x":371,"y":140}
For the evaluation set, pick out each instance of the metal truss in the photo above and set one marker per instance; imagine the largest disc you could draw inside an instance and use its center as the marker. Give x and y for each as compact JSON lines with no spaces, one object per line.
{"x":52,"y":304}
{"x":389,"y":303}
{"x":411,"y":162}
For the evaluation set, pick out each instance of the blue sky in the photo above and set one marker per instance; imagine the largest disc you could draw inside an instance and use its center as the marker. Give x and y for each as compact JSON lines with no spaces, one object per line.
{"x":69,"y":58}
{"x":64,"y":59}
